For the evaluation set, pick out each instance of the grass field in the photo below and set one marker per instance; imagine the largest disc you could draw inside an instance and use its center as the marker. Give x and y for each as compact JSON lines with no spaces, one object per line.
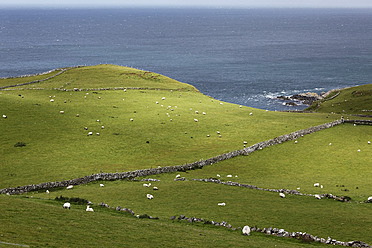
{"x":163,"y":133}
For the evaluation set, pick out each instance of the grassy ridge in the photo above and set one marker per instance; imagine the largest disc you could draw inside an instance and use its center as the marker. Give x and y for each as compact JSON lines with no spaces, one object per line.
{"x":353,"y":100}
{"x":165,"y":133}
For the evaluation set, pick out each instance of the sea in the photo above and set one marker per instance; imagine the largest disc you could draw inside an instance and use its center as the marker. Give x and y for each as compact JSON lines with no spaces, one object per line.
{"x":242,"y":56}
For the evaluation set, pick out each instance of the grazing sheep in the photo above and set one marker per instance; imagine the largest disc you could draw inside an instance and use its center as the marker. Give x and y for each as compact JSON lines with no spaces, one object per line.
{"x":369,"y":198}
{"x":90,"y":133}
{"x":97,"y":134}
{"x":219,"y":136}
{"x":178,"y":176}
{"x":204,"y":113}
{"x":369,"y":142}
{"x":102,"y":127}
{"x":218,"y":175}
{"x":155,"y":188}
{"x":131,"y":119}
{"x":317,"y":197}
{"x":221,"y":103}
{"x":246,"y":230}
{"x":354,"y":125}
{"x":61,"y":112}
{"x":163,"y":98}
{"x":358,"y":150}
{"x":221,"y":204}
{"x":67,"y":205}
{"x":321,"y":186}
{"x":149,"y":196}
{"x":77,"y":115}
{"x":97,"y":120}
{"x":69,"y":187}
{"x":196,"y":112}
{"x":47,"y":191}
{"x":146,"y":185}
{"x":89,"y":209}
{"x":208,"y":135}
{"x":4,"y":116}
{"x":52,"y":100}
{"x":240,"y":106}
{"x":330,"y":144}
{"x":295,"y":142}
{"x":218,"y":132}
{"x":101,"y":185}
{"x":196,"y":120}
{"x":282,"y":195}
{"x":250,"y":113}
{"x":316,"y":184}
{"x":229,"y":176}
{"x":99,"y":97}
{"x":245,"y":142}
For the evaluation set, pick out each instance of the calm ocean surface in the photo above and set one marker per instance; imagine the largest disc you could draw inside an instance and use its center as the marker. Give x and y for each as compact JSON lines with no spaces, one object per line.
{"x":246,"y":56}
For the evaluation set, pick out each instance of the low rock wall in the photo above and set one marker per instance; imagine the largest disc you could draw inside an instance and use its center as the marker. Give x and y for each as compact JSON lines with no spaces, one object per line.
{"x":168,"y":169}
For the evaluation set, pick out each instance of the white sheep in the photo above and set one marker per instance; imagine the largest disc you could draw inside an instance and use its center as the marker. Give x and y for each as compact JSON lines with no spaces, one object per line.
{"x":97,"y":120}
{"x":61,"y":112}
{"x":221,"y":204}
{"x":196,"y":112}
{"x":90,"y":133}
{"x":245,"y":142}
{"x":321,"y":186}
{"x":358,"y":150}
{"x":163,"y":98}
{"x":330,"y":144}
{"x":131,"y":119}
{"x":369,"y":142}
{"x":47,"y":191}
{"x":196,"y":120}
{"x":246,"y":230}
{"x":149,"y":196}
{"x":155,"y":188}
{"x":218,"y":175}
{"x":52,"y":100}
{"x":69,"y":187}
{"x":67,"y":205}
{"x":295,"y":142}
{"x":102,"y":127}
{"x":204,"y":113}
{"x":89,"y":209}
{"x":369,"y":198}
{"x":157,"y":102}
{"x":250,"y":113}
{"x":77,"y":115}
{"x":4,"y":116}
{"x":178,"y":176}
{"x":317,"y":197}
{"x":97,"y":134}
{"x":146,"y":185}
{"x":240,"y":106}
{"x":218,"y":132}
{"x":316,"y":184}
{"x":221,"y":103}
{"x":99,"y":97}
{"x":282,"y":195}
{"x":208,"y":135}
{"x":101,"y":185}
{"x":229,"y":176}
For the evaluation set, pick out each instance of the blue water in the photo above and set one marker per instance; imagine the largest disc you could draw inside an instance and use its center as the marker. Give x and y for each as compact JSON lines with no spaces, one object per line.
{"x":246,"y":56}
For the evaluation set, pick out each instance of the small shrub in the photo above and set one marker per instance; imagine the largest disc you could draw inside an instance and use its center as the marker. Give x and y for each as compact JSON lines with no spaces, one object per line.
{"x":77,"y":200}
{"x":20,"y":144}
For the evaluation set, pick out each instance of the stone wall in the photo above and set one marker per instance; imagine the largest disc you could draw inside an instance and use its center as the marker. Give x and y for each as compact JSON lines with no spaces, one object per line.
{"x":168,"y":169}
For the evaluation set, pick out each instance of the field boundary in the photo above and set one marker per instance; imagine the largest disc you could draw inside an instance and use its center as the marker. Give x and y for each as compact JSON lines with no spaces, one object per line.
{"x":167,"y":169}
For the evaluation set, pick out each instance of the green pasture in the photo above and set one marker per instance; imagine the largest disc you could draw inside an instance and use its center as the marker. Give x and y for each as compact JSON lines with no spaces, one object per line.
{"x":153,"y":125}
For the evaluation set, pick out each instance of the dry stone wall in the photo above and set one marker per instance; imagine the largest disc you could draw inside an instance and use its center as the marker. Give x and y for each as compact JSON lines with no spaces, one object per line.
{"x":168,"y":169}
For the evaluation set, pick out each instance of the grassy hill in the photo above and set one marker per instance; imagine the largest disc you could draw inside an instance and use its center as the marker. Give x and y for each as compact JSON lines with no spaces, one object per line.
{"x":146,"y":120}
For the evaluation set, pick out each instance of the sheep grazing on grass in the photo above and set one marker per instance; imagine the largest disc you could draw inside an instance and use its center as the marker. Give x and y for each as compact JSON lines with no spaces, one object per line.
{"x":97,"y":134}
{"x":102,"y":127}
{"x":69,"y":187}
{"x":316,"y":184}
{"x":4,"y":116}
{"x":221,"y":204}
{"x":229,"y":176}
{"x":90,"y":133}
{"x":369,"y":199}
{"x":67,"y":205}
{"x":317,"y":197}
{"x":101,"y":185}
{"x":245,"y":142}
{"x":89,"y":209}
{"x":146,"y":185}
{"x":97,"y":120}
{"x":208,"y":135}
{"x":321,"y":186}
{"x":155,"y":188}
{"x":163,"y":98}
{"x":246,"y":230}
{"x":330,"y":144}
{"x":218,"y":175}
{"x":61,"y":112}
{"x":240,"y":106}
{"x":221,"y":103}
{"x":204,"y":113}
{"x":52,"y":100}
{"x":358,"y":150}
{"x":250,"y":113}
{"x":149,"y":196}
{"x":178,"y":176}
{"x":131,"y":119}
{"x":125,"y":90}
{"x":196,"y":120}
{"x":77,"y":115}
{"x":282,"y":195}
{"x":369,"y":142}
{"x":196,"y":112}
{"x":218,"y":132}
{"x":295,"y":142}
{"x":47,"y":191}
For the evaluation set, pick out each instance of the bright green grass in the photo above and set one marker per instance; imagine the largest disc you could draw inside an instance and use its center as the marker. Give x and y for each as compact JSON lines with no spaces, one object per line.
{"x":343,"y":221}
{"x":21,"y":80}
{"x":311,"y":160}
{"x":41,"y":223}
{"x":350,"y":101}
{"x":107,"y":76}
{"x":58,"y":148}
